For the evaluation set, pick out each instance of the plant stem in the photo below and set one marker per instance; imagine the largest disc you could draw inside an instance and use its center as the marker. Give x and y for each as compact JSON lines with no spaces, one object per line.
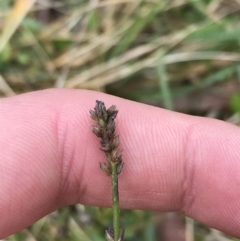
{"x":109,"y":141}
{"x":115,"y":201}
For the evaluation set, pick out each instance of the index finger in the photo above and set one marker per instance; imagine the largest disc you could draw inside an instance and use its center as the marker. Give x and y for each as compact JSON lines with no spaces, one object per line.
{"x":172,"y":161}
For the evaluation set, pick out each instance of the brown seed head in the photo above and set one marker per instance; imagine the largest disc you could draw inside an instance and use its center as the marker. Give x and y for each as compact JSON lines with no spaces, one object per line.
{"x":105,"y":129}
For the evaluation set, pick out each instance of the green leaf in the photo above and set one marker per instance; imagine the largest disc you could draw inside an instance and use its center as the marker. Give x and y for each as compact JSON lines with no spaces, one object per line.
{"x":235,"y":102}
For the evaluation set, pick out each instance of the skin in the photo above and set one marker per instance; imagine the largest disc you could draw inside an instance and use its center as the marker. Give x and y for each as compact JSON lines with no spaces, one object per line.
{"x":173,"y":162}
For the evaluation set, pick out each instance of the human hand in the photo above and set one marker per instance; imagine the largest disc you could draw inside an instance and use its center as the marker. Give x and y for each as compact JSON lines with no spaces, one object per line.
{"x":49,"y":158}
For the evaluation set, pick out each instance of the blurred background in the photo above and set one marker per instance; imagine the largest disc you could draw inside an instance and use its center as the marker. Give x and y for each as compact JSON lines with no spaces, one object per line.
{"x":181,"y":55}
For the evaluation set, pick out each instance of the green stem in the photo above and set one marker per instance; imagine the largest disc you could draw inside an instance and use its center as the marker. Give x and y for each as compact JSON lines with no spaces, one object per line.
{"x":115,"y":201}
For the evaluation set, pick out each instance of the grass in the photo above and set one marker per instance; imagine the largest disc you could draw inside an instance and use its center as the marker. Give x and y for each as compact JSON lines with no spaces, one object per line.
{"x":169,"y":53}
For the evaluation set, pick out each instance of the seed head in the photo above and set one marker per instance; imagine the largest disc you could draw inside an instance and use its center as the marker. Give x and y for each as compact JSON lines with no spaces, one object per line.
{"x":105,"y":129}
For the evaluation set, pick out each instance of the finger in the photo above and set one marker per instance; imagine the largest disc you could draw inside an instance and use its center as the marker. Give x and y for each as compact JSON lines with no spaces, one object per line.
{"x":172,"y":161}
